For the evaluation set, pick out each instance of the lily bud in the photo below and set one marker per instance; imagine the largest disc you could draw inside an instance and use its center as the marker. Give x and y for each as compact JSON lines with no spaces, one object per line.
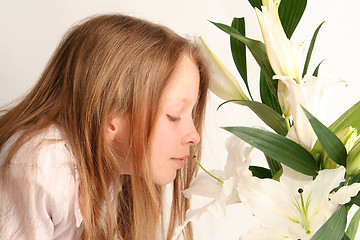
{"x":283,"y":91}
{"x":353,"y":159}
{"x":348,"y":136}
{"x":267,"y":2}
{"x":222,"y":83}
{"x":283,"y":94}
{"x":278,"y":47}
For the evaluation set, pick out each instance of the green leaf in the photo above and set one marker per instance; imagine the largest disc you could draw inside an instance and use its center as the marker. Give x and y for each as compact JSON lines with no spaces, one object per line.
{"x":274,"y":165}
{"x":277,"y":175}
{"x":316,"y":71}
{"x":257,"y":49}
{"x":330,"y":142}
{"x":238,"y":50}
{"x":260,"y":172}
{"x":256,"y":3}
{"x":279,"y":148}
{"x":355,"y":179}
{"x":267,"y":97}
{"x":354,"y":200}
{"x":334,"y":227}
{"x":311,"y":48}
{"x":346,"y":237}
{"x":350,"y":118}
{"x":266,"y":114}
{"x":353,"y":226}
{"x":290,"y":13}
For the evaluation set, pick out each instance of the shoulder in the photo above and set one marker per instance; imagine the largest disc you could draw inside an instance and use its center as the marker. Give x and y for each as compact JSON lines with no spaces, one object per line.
{"x":46,"y":149}
{"x":48,"y":162}
{"x":44,"y":168}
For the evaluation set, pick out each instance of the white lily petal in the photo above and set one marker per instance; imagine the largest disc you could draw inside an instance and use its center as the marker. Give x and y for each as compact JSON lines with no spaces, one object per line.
{"x":238,"y":159}
{"x":344,"y":194}
{"x":267,"y":199}
{"x":261,"y":233}
{"x":217,"y":207}
{"x":297,"y":232}
{"x":327,"y":83}
{"x":297,"y":97}
{"x":222,"y":83}
{"x":205,"y":185}
{"x":191,"y":215}
{"x":230,"y":191}
{"x":299,"y":53}
{"x":311,"y":93}
{"x":293,"y":179}
{"x":312,"y":89}
{"x":224,"y":193}
{"x":296,"y":206}
{"x":293,"y":135}
{"x":283,"y":91}
{"x":243,"y":170}
{"x":321,"y":187}
{"x":227,"y":196}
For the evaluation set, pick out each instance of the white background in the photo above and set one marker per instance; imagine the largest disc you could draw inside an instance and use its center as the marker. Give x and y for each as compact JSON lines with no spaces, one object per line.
{"x":31,"y":29}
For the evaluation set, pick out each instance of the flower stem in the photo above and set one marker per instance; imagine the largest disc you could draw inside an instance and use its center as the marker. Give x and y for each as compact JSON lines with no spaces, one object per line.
{"x":218,"y":179}
{"x":303,"y":209}
{"x":347,"y":179}
{"x":287,"y":121}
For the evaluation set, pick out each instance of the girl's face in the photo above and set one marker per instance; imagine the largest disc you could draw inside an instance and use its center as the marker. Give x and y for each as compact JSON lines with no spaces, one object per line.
{"x":175,"y":132}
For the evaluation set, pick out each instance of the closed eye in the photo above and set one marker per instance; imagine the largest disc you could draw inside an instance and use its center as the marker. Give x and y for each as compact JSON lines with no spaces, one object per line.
{"x":173,"y":118}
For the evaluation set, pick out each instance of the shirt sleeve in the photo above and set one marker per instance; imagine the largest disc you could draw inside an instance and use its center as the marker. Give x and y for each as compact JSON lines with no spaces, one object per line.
{"x":41,"y":196}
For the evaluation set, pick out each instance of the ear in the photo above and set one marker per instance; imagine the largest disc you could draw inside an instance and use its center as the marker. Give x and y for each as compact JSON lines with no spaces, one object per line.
{"x":112,"y":128}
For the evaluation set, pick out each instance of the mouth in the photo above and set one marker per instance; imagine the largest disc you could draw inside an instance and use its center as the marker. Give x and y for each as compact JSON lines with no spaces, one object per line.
{"x":179,"y":161}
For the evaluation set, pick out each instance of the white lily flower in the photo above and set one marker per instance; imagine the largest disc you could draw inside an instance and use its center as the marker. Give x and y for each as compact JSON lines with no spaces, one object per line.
{"x":312,"y":93}
{"x":294,"y":207}
{"x":278,"y":47}
{"x":222,"y":83}
{"x":285,"y":56}
{"x":282,"y":90}
{"x":223,"y":189}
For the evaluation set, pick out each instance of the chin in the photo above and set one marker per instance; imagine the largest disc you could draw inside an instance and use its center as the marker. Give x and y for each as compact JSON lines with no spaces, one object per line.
{"x":165,"y":179}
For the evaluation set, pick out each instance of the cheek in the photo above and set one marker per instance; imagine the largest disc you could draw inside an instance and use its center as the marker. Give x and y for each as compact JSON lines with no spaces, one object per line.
{"x":163,"y":148}
{"x":164,"y":140}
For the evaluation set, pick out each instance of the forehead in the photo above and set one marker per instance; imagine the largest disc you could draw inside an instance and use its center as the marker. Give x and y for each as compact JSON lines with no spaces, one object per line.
{"x":184,"y":82}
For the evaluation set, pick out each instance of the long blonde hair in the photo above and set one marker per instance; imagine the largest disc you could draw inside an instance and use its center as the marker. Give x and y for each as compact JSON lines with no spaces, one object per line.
{"x":106,"y":65}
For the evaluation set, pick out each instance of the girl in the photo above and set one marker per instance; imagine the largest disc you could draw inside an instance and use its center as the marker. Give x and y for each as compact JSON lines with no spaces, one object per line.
{"x":113,"y":118}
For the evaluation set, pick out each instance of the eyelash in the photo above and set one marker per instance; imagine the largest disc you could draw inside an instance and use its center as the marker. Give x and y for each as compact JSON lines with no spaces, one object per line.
{"x":173,"y":118}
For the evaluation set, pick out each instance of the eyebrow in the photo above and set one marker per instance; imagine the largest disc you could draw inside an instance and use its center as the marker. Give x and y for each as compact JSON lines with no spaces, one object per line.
{"x":183,"y":100}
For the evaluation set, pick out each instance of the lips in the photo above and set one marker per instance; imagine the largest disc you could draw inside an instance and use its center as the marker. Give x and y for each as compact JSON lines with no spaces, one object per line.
{"x":180,"y":161}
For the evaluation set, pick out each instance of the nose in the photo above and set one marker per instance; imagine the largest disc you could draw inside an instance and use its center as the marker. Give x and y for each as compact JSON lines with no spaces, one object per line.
{"x":192,"y":137}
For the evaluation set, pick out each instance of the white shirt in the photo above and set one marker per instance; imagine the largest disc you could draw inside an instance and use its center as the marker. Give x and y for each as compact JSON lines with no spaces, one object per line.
{"x":42,"y":202}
